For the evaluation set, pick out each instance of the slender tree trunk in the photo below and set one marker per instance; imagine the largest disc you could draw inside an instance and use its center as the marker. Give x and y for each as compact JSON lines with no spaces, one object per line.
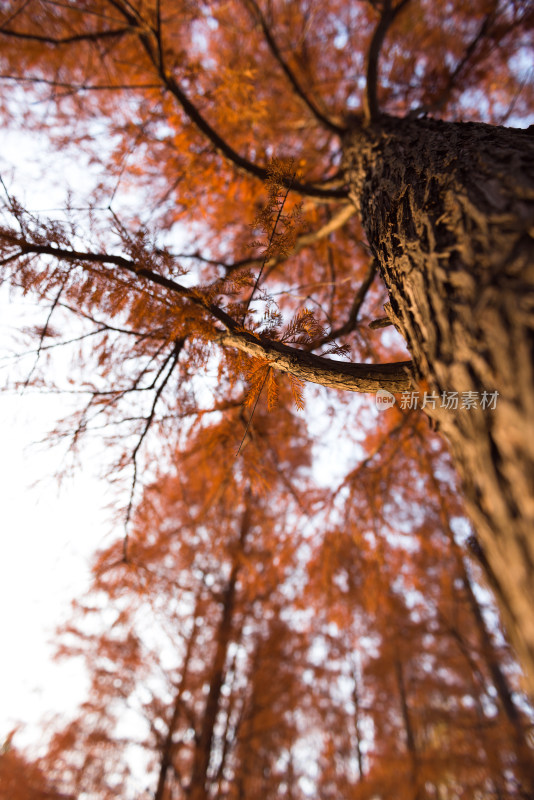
{"x":167,"y":747}
{"x":202,"y":757}
{"x":525,"y":754}
{"x":448,"y":209}
{"x":228,"y":737}
{"x":201,"y":762}
{"x":408,"y":730}
{"x":357,"y":720}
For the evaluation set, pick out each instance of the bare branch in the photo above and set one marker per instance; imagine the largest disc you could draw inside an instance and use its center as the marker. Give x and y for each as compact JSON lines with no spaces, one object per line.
{"x":352,"y":319}
{"x":247,"y":425}
{"x":151,"y":48}
{"x":257,"y":14}
{"x":80,"y":87}
{"x":105,"y":326}
{"x":173,"y":358}
{"x":388,"y":15}
{"x":438,"y":103}
{"x":117,"y":394}
{"x":43,"y":347}
{"x":527,"y":79}
{"x":45,"y":331}
{"x":389,"y":436}
{"x":66,"y":40}
{"x":16,"y":12}
{"x":346,"y":211}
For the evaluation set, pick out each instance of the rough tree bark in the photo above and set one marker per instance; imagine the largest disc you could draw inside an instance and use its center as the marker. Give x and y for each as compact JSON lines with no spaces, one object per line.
{"x":448,"y":209}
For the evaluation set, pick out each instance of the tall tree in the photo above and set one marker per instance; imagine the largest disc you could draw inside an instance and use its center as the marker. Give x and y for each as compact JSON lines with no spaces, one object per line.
{"x":179,"y":642}
{"x":237,"y":654}
{"x":20,"y":779}
{"x":189,"y":109}
{"x":406,"y":635}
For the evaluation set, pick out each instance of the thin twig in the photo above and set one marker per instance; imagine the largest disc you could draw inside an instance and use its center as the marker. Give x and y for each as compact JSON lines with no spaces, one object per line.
{"x":81,"y":87}
{"x":175,"y":356}
{"x":65,"y":40}
{"x":269,"y":245}
{"x":45,"y":331}
{"x":252,"y":412}
{"x":352,"y":320}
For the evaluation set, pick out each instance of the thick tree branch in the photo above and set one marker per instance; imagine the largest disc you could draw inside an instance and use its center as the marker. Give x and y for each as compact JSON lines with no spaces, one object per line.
{"x":345,"y":212}
{"x":257,"y":14}
{"x":151,"y":47}
{"x":439,"y":101}
{"x":151,"y":41}
{"x":387,"y":17}
{"x":226,"y":150}
{"x":396,"y":377}
{"x":66,"y":40}
{"x":168,"y":742}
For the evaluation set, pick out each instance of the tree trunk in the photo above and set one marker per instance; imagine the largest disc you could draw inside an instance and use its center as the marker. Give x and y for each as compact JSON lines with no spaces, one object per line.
{"x":408,"y":730}
{"x":357,"y":721}
{"x":198,"y":789}
{"x":490,"y":656}
{"x":167,"y":744}
{"x":448,"y":209}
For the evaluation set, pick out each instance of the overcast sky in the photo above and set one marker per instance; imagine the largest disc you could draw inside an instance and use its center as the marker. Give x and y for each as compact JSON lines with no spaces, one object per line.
{"x":47,"y":534}
{"x":47,"y":537}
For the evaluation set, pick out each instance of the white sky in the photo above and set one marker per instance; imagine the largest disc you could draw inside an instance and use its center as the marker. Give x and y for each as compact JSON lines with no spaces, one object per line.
{"x":47,"y":534}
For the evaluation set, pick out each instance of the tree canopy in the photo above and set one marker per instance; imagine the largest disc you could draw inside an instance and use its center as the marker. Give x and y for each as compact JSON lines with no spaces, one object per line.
{"x":294,"y":607}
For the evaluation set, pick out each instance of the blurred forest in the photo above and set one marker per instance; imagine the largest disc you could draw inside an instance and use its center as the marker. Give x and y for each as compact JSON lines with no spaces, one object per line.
{"x":309,"y":595}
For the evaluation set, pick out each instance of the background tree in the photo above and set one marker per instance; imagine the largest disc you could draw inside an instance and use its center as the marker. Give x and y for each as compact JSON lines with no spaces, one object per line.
{"x":20,"y":779}
{"x":403,"y":625}
{"x":195,"y":672}
{"x":171,"y":99}
{"x":237,"y":654}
